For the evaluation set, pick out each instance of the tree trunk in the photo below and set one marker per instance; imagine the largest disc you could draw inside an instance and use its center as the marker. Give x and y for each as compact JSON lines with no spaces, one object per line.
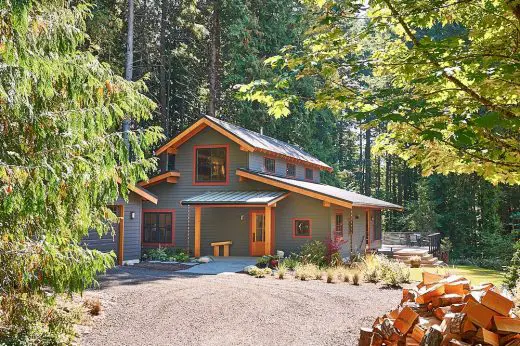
{"x":129,"y":64}
{"x":163,"y":89}
{"x":368,"y":163}
{"x":214,"y":60}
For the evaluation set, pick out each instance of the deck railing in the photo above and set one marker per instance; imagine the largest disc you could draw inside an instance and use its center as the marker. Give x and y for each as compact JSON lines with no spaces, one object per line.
{"x":434,"y":246}
{"x":414,"y":239}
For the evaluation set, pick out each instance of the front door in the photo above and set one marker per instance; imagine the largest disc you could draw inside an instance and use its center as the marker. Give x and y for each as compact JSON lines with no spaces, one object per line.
{"x":257,"y":238}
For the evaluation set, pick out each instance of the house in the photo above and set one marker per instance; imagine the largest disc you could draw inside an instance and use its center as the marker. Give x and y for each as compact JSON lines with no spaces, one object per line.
{"x":220,"y":182}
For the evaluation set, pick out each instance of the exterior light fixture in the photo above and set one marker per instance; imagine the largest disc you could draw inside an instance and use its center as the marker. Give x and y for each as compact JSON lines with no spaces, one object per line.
{"x":132,"y":215}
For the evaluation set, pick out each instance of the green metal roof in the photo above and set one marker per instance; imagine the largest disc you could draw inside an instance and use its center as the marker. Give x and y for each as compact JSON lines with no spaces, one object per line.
{"x":235,"y":197}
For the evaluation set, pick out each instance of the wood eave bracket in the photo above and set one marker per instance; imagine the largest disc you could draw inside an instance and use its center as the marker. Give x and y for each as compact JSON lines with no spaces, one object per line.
{"x":169,"y":177}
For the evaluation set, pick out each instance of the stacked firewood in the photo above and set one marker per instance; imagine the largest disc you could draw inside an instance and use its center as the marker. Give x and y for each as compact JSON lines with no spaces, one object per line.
{"x":447,"y":311}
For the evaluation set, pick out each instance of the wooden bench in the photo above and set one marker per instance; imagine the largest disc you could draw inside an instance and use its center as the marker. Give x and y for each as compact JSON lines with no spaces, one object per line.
{"x":224,"y":244}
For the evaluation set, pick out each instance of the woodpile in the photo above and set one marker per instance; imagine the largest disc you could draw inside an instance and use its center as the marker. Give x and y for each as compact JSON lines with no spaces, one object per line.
{"x":447,"y":311}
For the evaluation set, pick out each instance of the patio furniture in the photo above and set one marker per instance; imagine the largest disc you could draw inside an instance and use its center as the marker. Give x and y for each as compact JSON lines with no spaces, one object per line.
{"x":216,"y":247}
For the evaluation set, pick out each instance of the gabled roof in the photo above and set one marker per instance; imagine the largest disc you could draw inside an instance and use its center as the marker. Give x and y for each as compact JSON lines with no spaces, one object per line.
{"x":248,"y":140}
{"x":324,"y":192}
{"x":236,"y":198}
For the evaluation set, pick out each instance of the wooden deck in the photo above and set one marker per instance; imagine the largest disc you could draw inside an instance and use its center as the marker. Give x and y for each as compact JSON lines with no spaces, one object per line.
{"x":404,"y":253}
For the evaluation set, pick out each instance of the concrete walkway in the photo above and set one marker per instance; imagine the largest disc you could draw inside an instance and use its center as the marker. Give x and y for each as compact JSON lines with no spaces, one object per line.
{"x":220,"y":265}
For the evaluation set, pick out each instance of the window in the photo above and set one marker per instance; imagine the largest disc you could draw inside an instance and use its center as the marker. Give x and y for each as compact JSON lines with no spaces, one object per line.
{"x":158,"y":227}
{"x":211,"y":165}
{"x":171,"y":162}
{"x":291,"y":170}
{"x":302,"y":228}
{"x":339,"y":226}
{"x":269,"y":165}
{"x":309,"y":174}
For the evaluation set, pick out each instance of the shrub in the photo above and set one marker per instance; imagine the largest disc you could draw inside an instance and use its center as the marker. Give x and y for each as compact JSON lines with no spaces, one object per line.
{"x":346,"y":277}
{"x":158,"y":254}
{"x":290,"y":262}
{"x":263,"y":261}
{"x":307,"y":271}
{"x":93,"y":306}
{"x":282,"y":269}
{"x":330,"y":275}
{"x":415,"y":261}
{"x":377,"y":268}
{"x":355,"y":279}
{"x":314,"y":252}
{"x":513,"y":272}
{"x":333,"y":248}
{"x":259,"y":272}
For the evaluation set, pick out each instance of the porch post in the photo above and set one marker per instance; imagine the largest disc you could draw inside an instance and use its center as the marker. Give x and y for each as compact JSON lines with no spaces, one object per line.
{"x":197,"y":231}
{"x":267,"y":249}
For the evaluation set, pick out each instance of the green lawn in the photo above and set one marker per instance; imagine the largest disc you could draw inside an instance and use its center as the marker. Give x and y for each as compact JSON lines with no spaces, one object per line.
{"x":475,"y":274}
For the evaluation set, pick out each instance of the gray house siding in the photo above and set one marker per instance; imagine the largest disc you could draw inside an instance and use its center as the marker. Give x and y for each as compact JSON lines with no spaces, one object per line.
{"x":256,"y":163}
{"x":299,"y":207}
{"x":132,"y":242}
{"x":213,"y":219}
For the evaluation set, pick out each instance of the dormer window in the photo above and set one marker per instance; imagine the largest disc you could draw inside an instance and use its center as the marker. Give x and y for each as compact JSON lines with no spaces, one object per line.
{"x":309,"y":174}
{"x":291,"y":170}
{"x":269,"y":165}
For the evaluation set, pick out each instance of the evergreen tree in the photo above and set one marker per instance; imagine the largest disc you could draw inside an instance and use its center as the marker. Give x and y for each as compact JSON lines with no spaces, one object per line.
{"x":62,"y":161}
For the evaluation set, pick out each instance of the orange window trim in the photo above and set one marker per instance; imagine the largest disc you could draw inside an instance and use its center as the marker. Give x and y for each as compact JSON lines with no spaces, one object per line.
{"x":171,"y":211}
{"x":301,"y":236}
{"x":194,"y":171}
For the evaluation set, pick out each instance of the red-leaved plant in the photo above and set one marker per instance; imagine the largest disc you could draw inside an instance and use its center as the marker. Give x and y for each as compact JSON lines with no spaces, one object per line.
{"x":333,"y":257}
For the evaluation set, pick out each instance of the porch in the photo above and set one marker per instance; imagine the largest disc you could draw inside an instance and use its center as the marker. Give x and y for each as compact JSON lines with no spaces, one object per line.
{"x":253,"y":238}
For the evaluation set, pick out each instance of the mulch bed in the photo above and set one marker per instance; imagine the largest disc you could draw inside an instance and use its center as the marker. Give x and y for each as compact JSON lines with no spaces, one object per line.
{"x":171,"y":267}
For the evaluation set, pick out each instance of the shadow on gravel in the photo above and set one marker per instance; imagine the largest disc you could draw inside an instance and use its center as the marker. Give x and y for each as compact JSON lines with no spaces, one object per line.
{"x":128,"y":275}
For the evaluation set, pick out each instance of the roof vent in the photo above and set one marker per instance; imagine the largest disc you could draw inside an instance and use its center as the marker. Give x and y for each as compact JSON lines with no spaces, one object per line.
{"x":261,"y":130}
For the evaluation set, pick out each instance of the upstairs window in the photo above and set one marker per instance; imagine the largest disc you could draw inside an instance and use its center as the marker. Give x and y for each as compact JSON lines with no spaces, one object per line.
{"x":291,"y":170}
{"x":171,"y":162}
{"x":211,"y":165}
{"x":309,"y":174}
{"x":269,"y":165}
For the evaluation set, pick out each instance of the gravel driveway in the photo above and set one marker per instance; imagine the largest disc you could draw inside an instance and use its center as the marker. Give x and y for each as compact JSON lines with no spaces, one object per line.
{"x":145,"y":307}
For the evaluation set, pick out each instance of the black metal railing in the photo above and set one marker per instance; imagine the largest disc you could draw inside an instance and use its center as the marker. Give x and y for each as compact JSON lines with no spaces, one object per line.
{"x":434,"y":246}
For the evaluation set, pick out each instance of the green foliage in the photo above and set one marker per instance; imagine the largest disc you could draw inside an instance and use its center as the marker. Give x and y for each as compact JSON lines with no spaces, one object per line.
{"x":438,"y":75}
{"x":290,"y":262}
{"x":282,"y":270}
{"x":166,"y":254}
{"x":259,"y":272}
{"x":377,"y":268}
{"x":513,"y":272}
{"x":314,"y":252}
{"x":421,"y":215}
{"x":62,"y":161}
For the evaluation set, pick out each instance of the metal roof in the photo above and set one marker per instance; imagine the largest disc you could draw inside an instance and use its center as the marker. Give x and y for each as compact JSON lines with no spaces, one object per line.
{"x":264,"y":142}
{"x":235,"y":197}
{"x":356,"y":199}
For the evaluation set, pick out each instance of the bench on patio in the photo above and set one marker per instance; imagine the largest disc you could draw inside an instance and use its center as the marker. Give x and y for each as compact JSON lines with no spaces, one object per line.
{"x":224,"y":244}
